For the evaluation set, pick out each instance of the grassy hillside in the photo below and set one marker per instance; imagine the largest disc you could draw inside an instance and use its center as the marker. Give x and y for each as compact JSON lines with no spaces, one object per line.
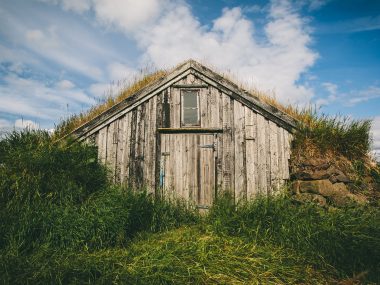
{"x":64,"y":223}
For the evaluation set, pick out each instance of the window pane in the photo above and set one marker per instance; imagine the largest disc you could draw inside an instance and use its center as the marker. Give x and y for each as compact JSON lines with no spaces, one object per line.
{"x":190,"y":99}
{"x":190,"y":116}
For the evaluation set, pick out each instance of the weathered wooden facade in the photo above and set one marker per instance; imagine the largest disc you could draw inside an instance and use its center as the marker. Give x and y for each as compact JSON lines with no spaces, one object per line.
{"x":192,"y":134}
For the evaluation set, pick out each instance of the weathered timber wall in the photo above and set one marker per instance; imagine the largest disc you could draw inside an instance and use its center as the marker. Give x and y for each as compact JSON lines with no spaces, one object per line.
{"x":251,"y":154}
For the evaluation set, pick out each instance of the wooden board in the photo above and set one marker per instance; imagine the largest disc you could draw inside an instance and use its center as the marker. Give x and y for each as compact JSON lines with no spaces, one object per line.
{"x":262,"y":154}
{"x":240,"y":171}
{"x":251,"y":152}
{"x":273,"y":156}
{"x":188,"y":168}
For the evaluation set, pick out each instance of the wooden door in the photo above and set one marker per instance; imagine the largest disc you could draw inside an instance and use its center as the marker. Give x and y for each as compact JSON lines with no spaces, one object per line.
{"x":187,"y":167}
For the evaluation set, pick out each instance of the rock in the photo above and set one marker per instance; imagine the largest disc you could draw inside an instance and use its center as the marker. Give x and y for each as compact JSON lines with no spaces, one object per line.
{"x":315,"y":163}
{"x":323,"y":166}
{"x":340,"y":178}
{"x":311,"y":175}
{"x":332,"y":171}
{"x":309,"y":197}
{"x":337,"y":193}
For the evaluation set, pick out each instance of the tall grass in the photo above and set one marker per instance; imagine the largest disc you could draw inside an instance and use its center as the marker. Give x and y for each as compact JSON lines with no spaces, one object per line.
{"x":347,"y":239}
{"x":58,"y":196}
{"x":32,"y":167}
{"x":342,"y":135}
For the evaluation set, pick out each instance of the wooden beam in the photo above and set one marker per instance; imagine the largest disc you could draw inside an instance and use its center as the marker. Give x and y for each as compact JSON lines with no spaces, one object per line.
{"x":190,"y":86}
{"x":190,"y":130}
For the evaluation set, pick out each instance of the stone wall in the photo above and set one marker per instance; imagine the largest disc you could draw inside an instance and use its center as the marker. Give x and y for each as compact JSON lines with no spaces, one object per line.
{"x":325,"y":182}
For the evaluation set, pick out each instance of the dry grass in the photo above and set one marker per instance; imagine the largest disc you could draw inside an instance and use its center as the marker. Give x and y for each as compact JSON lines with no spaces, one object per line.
{"x":73,"y":122}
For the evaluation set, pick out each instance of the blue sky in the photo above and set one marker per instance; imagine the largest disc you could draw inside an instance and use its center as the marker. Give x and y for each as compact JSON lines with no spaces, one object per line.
{"x":58,"y":57}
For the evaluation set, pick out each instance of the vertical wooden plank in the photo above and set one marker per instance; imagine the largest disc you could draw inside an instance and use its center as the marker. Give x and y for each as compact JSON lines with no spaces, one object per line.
{"x":185,"y":167}
{"x":207,"y":170}
{"x":102,"y":147}
{"x":287,"y":154}
{"x":140,"y":146}
{"x":124,"y":173}
{"x":158,"y":168}
{"x":164,"y":160}
{"x":175,"y":107}
{"x":261,"y":154}
{"x":273,"y":156}
{"x":251,"y":152}
{"x":152,"y":148}
{"x":280,"y":141}
{"x":120,"y":149}
{"x":165,"y":108}
{"x":213,"y":106}
{"x":109,"y":143}
{"x":132,"y":147}
{"x":228,"y":145}
{"x":177,"y":165}
{"x":204,"y":106}
{"x":111,"y":153}
{"x":268,"y":156}
{"x":146,"y":146}
{"x":170,"y":160}
{"x":219,"y":148}
{"x":240,"y":171}
{"x":255,"y":153}
{"x":193,"y":168}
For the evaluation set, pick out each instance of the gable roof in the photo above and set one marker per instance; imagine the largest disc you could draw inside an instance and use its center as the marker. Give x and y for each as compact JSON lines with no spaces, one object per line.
{"x":202,"y":72}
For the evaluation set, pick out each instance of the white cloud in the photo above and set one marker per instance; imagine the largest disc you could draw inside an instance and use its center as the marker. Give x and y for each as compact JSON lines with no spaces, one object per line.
{"x":372,"y":92}
{"x":78,"y":6}
{"x":348,"y":99}
{"x":317,"y":4}
{"x":65,"y":84}
{"x":330,"y":87}
{"x":127,"y":15}
{"x":31,"y":98}
{"x":100,"y":90}
{"x":26,"y":124}
{"x":230,"y":44}
{"x":35,"y":35}
{"x":167,"y":33}
{"x":50,"y":44}
{"x":120,"y":71}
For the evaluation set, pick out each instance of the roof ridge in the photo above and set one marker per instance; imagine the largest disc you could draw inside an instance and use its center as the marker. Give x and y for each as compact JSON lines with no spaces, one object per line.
{"x":204,"y":71}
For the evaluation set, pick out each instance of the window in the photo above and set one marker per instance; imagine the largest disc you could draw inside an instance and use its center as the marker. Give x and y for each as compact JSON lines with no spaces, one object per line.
{"x":190,"y":108}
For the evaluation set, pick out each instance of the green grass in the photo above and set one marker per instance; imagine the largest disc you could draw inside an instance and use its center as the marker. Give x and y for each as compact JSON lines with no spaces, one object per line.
{"x":188,"y":255}
{"x":347,"y":238}
{"x":59,"y":228}
{"x":341,"y":135}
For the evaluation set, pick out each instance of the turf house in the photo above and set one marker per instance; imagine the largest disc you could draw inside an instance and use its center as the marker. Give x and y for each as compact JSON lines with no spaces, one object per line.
{"x":191,"y":134}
